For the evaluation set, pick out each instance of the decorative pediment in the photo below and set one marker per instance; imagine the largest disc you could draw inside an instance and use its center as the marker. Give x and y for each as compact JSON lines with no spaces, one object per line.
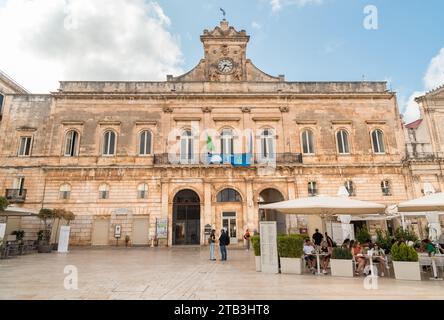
{"x":224,"y":31}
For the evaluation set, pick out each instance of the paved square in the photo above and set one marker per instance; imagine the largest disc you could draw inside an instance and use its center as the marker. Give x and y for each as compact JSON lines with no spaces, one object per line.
{"x":182,"y":273}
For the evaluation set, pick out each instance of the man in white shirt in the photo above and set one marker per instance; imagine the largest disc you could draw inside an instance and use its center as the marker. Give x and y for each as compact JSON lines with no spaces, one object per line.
{"x":309,"y":251}
{"x":441,"y":242}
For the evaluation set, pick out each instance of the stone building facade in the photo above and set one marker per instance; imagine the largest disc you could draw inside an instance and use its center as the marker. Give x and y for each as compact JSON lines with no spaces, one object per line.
{"x":201,"y":150}
{"x":425,"y":149}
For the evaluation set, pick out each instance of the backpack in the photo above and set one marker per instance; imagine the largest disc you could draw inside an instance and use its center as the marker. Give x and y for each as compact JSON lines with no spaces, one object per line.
{"x":228,"y":240}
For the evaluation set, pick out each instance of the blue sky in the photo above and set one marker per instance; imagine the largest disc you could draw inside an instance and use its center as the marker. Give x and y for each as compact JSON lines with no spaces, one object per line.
{"x":325,"y":41}
{"x":322,"y":40}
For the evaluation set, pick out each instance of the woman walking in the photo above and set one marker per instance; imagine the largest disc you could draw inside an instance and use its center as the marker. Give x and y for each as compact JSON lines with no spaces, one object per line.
{"x":212,"y":242}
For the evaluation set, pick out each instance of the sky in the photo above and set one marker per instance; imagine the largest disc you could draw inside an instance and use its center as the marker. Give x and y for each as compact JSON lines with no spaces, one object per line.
{"x":44,"y":41}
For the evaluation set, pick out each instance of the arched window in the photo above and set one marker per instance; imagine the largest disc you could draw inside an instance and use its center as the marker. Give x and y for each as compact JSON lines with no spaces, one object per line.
{"x":229,"y":195}
{"x":142,"y":191}
{"x":186,"y":147}
{"x":65,"y":191}
{"x":109,"y":143}
{"x":71,"y":143}
{"x":378,"y":141}
{"x":267,"y":144}
{"x":145,"y":143}
{"x":1,"y":103}
{"x":342,"y":140}
{"x":226,"y":144}
{"x":308,"y":142}
{"x":104,"y":191}
{"x":350,"y":186}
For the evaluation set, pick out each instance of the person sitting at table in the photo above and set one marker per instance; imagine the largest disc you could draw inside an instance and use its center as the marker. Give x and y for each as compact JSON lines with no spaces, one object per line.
{"x":361,"y":261}
{"x":346,"y":244}
{"x":429,"y":247}
{"x":326,"y":249}
{"x":441,"y":243}
{"x":379,"y":257}
{"x":309,"y":257}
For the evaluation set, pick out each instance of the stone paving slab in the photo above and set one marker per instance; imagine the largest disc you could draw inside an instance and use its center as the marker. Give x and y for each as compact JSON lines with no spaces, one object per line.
{"x":184,"y":274}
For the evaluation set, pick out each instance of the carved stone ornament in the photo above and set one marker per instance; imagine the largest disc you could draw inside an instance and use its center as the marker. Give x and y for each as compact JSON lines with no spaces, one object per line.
{"x":207,"y":109}
{"x":284,"y":109}
{"x":167,"y":109}
{"x":246,"y":109}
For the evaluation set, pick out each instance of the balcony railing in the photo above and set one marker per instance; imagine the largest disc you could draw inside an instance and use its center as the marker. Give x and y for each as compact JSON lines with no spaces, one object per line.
{"x":16,"y":195}
{"x":425,"y":155}
{"x":242,"y":160}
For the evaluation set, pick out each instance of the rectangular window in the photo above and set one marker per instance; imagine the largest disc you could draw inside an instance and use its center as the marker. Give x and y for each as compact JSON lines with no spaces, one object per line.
{"x":25,"y":146}
{"x":385,"y":187}
{"x":312,"y":190}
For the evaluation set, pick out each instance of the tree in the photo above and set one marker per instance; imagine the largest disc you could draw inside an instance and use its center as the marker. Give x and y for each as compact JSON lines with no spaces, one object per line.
{"x":3,"y":204}
{"x":46,"y":215}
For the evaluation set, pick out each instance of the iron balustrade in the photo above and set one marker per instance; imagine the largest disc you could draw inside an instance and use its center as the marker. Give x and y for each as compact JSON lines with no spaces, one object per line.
{"x":228,"y":159}
{"x":16,"y":195}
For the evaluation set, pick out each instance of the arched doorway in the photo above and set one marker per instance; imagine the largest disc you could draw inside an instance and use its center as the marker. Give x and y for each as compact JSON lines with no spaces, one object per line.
{"x":272,"y":196}
{"x":186,"y":218}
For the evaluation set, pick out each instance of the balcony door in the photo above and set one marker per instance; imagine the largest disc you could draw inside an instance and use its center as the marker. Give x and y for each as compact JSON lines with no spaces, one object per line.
{"x":19,"y":186}
{"x":186,"y":147}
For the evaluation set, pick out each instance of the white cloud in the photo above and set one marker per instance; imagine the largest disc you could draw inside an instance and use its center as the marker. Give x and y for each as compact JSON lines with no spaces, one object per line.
{"x":50,"y":40}
{"x":433,"y":78}
{"x":255,"y":25}
{"x":435,"y":74}
{"x":277,"y":5}
{"x":411,"y":108}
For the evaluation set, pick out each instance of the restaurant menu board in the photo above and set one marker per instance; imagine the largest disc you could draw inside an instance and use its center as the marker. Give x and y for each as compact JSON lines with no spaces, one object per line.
{"x":64,"y":239}
{"x":269,"y":253}
{"x":2,"y":230}
{"x":162,"y":228}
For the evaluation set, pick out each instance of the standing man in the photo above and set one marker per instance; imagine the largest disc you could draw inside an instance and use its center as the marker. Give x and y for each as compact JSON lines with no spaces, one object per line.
{"x":317,"y":238}
{"x":224,"y":241}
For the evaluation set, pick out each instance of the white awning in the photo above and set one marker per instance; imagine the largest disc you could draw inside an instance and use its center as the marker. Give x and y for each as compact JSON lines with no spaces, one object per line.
{"x":325,"y":205}
{"x":430,"y":203}
{"x":18,"y":212}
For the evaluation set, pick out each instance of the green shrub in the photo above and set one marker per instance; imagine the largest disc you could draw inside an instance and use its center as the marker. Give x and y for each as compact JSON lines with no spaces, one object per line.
{"x":403,"y":252}
{"x":256,"y":243}
{"x":362,"y":235}
{"x":405,"y":235}
{"x":341,"y":254}
{"x":384,"y":240}
{"x":290,"y":246}
{"x":19,"y":234}
{"x":3,"y":204}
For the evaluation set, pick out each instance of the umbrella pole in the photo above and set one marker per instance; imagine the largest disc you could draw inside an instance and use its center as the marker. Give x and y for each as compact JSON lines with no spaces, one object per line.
{"x":403,"y":221}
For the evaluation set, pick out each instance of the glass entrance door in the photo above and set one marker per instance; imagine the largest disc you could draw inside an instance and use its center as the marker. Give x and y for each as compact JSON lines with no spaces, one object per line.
{"x":230,"y":225}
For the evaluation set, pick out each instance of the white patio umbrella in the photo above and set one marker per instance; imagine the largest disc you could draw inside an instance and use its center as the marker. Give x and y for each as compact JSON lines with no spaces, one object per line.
{"x":432,"y":202}
{"x":326,"y":205}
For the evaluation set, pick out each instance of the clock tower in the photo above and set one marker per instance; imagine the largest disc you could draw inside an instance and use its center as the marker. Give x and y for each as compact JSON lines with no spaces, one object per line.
{"x":225,"y":53}
{"x":225,"y":58}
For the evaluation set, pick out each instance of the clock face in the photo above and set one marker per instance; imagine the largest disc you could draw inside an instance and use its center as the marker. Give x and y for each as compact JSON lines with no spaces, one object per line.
{"x":225,"y":65}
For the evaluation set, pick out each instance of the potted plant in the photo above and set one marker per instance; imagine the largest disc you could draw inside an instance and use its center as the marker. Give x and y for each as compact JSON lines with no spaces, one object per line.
{"x":256,"y":243}
{"x":44,"y":236}
{"x":405,"y":262}
{"x":362,"y":235}
{"x":341,"y":263}
{"x":19,"y":235}
{"x":290,"y":249}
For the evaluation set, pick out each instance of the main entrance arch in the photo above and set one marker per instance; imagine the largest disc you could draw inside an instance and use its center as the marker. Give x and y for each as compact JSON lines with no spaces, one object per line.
{"x":269,"y":196}
{"x":186,"y":218}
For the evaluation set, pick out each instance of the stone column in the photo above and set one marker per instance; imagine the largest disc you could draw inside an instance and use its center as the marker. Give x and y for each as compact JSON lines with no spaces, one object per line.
{"x":207,"y":214}
{"x":165,"y":210}
{"x":251,"y":217}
